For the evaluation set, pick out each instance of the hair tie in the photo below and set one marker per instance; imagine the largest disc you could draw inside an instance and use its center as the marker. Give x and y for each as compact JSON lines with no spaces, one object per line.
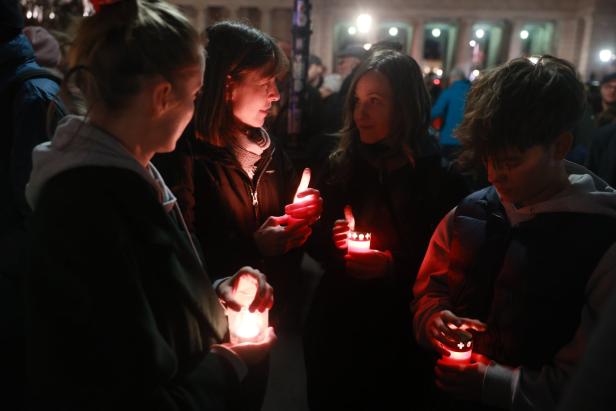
{"x":98,"y":4}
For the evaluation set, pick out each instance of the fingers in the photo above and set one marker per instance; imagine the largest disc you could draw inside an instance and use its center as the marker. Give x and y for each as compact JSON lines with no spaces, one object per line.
{"x":348,"y":215}
{"x":273,"y":221}
{"x":340,"y":233}
{"x":471,"y":324}
{"x":299,"y":239}
{"x":264,"y":297}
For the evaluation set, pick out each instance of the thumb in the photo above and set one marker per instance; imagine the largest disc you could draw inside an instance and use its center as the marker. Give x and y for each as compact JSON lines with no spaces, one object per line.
{"x":273,"y":221}
{"x":348,"y":215}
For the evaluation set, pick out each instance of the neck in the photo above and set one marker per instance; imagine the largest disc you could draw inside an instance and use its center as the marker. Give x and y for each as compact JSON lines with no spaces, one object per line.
{"x":128,"y":130}
{"x":558,"y":184}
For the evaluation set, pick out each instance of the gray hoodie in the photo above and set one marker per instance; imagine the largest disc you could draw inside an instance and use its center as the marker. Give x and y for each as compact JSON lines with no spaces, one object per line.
{"x":78,"y":143}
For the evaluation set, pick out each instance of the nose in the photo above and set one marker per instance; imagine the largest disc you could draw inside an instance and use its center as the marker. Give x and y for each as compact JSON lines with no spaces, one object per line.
{"x":496,"y":174}
{"x":274,"y":93}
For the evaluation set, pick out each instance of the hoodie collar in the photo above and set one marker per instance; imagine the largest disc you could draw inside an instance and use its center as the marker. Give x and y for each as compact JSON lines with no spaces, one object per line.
{"x":586,"y":193}
{"x":78,"y":143}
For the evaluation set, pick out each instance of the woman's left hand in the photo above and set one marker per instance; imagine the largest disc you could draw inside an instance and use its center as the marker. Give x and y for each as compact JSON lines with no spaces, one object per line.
{"x":465,"y":381}
{"x":264,"y":298}
{"x":309,"y":207}
{"x":368,"y":265}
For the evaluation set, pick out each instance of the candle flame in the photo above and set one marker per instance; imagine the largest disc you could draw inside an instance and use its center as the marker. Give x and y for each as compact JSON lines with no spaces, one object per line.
{"x":303,"y":185}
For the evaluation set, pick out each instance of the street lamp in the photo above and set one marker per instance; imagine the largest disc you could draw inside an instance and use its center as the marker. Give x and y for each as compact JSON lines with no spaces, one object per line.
{"x":352,"y":30}
{"x":524,"y":34}
{"x":436,"y":32}
{"x":479,"y":33}
{"x":364,"y":22}
{"x":606,"y":55}
{"x":393,"y":31}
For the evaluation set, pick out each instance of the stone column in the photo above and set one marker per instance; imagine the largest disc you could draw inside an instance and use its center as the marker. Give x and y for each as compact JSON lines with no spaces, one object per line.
{"x":418,"y":41}
{"x":464,"y":51}
{"x":515,"y":42}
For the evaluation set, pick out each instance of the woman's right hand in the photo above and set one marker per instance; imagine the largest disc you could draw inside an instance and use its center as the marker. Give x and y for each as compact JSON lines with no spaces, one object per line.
{"x":340,"y":234}
{"x":253,"y":353}
{"x":276,"y":237}
{"x":441,"y":326}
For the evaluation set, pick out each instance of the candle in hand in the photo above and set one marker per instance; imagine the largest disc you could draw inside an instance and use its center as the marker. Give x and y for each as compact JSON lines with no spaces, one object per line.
{"x":462,"y":350}
{"x":246,"y":326}
{"x":358,"y":242}
{"x":303,"y":185}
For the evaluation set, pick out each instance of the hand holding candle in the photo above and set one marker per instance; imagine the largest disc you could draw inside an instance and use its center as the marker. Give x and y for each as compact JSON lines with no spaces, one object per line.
{"x":307,"y":204}
{"x":446,"y":331}
{"x":463,"y":380}
{"x":248,"y":302}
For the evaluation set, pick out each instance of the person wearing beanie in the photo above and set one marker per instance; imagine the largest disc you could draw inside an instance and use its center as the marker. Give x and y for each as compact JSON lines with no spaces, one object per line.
{"x":23,"y":119}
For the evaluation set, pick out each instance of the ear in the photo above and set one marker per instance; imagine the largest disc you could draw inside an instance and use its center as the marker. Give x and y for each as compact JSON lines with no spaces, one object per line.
{"x":563,"y":145}
{"x":162,"y":97}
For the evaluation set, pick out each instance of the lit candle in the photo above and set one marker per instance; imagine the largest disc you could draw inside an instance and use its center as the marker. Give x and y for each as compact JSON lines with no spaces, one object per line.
{"x":358,"y":242}
{"x":303,"y":185}
{"x":246,"y":326}
{"x":462,"y":351}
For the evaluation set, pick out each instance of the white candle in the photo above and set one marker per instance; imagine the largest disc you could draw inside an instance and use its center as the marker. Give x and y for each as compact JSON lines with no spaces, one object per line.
{"x":358,"y":242}
{"x":246,"y":326}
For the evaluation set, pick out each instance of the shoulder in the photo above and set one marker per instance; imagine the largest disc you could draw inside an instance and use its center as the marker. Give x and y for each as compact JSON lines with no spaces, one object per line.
{"x":95,"y":187}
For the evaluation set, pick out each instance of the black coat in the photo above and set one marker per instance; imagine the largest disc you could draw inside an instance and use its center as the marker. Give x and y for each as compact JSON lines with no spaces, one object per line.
{"x":602,"y":156}
{"x":223,"y":207}
{"x":401,"y":205}
{"x":120,"y":315}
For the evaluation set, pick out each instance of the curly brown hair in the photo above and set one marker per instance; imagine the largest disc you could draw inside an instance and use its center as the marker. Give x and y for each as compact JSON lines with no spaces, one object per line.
{"x":518,"y":105}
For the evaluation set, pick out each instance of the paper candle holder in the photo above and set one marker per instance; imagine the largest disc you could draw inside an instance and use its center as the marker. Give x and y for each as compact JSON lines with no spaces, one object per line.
{"x":246,"y":326}
{"x":358,"y":242}
{"x":462,"y":351}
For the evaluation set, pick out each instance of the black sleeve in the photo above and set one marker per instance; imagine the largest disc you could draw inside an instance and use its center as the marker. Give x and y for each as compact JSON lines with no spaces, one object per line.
{"x":93,"y":340}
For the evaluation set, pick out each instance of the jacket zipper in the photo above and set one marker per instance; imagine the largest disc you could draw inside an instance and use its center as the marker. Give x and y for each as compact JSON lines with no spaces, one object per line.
{"x":254,"y":188}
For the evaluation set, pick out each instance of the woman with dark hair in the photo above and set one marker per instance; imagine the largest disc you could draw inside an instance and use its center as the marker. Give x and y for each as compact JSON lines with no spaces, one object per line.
{"x":388,"y":170}
{"x":240,"y":187}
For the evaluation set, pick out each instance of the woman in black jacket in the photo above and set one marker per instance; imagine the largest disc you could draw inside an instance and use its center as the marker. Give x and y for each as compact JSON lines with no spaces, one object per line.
{"x":120,"y":311}
{"x":239,"y":180}
{"x":389,"y":171}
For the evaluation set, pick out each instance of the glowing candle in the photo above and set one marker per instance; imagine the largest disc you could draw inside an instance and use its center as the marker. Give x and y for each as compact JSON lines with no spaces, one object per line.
{"x":358,"y":242}
{"x":246,"y":326}
{"x":303,"y":185}
{"x":462,"y":351}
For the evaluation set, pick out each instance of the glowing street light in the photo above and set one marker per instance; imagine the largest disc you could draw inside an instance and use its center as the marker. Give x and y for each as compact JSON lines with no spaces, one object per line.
{"x":438,"y":72}
{"x":479,"y":33}
{"x":29,"y":15}
{"x":436,"y":32}
{"x":472,"y":43}
{"x":52,"y":15}
{"x":524,"y":34}
{"x":367,"y":46}
{"x":364,"y":22}
{"x":393,"y":31}
{"x":534,"y":59}
{"x":352,"y":30}
{"x":474,"y":75}
{"x":606,"y":55}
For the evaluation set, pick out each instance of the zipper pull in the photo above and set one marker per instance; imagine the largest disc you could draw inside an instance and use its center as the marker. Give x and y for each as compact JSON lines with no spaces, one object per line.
{"x":255,"y":199}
